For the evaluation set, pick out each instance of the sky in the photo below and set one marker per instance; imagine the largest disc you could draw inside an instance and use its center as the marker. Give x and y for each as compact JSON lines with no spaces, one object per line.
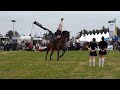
{"x":74,"y":21}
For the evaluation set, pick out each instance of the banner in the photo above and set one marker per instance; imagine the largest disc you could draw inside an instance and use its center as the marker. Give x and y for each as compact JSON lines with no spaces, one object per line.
{"x":112,"y":30}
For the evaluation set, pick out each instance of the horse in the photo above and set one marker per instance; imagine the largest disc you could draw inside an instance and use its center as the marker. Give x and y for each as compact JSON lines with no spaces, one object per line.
{"x":58,"y":44}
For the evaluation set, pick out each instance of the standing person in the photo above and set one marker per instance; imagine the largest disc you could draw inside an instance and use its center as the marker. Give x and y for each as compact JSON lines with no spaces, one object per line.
{"x":93,"y":54}
{"x":102,"y":52}
{"x":119,"y":45}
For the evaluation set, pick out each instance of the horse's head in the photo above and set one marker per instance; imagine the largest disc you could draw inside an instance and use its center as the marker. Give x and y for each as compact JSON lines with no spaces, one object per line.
{"x":66,"y":35}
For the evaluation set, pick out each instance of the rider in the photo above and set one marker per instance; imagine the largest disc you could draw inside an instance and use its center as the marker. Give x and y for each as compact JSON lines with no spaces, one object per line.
{"x":59,"y":30}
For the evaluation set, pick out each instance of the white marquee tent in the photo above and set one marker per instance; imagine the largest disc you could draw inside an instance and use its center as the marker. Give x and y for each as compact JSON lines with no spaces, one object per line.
{"x":97,"y":36}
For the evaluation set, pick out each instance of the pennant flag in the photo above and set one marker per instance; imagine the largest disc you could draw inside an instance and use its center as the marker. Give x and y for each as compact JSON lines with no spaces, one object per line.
{"x":112,"y":21}
{"x":13,"y":20}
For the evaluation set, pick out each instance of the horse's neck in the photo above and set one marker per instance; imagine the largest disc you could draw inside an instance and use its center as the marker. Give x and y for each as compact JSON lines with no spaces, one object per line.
{"x":62,"y":39}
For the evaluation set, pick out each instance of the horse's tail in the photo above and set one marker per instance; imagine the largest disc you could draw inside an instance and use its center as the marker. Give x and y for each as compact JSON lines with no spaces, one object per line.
{"x":47,"y":52}
{"x":47,"y":49}
{"x":48,"y":46}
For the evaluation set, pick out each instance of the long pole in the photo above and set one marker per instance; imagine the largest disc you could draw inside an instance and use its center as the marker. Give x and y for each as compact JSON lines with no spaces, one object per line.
{"x":13,"y":27}
{"x":13,"y":30}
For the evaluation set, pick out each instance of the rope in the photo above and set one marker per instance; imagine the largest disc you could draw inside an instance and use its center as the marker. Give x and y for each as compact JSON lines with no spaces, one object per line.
{"x":34,"y":29}
{"x":31,"y":29}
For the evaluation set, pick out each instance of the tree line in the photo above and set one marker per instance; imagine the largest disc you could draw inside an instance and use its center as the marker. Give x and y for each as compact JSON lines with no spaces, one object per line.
{"x":82,"y":32}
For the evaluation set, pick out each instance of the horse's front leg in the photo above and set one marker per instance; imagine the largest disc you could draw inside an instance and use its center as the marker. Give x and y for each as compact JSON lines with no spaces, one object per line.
{"x":62,"y":53}
{"x":51,"y":54}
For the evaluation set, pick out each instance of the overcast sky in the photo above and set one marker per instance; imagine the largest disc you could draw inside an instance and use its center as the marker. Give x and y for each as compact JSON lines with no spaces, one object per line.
{"x":74,"y":21}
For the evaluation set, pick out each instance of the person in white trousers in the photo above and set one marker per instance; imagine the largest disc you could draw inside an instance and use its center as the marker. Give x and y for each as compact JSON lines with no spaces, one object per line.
{"x":92,"y":48}
{"x":102,"y":52}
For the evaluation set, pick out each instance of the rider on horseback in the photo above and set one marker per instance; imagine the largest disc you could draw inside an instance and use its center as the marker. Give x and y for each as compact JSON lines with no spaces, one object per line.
{"x":59,"y":30}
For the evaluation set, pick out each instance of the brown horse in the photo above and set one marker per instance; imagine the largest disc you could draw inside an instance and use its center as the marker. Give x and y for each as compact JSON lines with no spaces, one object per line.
{"x":58,"y":45}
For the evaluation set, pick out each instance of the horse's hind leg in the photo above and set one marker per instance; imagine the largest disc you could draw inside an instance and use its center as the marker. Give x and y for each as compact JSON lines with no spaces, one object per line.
{"x":58,"y":56}
{"x":62,"y":54}
{"x":47,"y":54}
{"x":51,"y":54}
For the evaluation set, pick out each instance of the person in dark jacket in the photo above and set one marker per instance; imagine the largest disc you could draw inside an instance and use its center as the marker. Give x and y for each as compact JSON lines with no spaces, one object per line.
{"x":102,"y":52}
{"x":92,"y":48}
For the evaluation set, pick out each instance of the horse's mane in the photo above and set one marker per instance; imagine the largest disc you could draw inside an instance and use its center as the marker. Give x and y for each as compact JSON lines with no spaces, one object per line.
{"x":63,"y":32}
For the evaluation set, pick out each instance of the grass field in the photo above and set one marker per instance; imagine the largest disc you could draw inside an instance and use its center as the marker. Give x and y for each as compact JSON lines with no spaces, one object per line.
{"x":73,"y":65}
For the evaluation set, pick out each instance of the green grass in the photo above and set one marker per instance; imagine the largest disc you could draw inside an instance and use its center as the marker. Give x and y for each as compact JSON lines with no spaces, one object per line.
{"x":73,"y":65}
